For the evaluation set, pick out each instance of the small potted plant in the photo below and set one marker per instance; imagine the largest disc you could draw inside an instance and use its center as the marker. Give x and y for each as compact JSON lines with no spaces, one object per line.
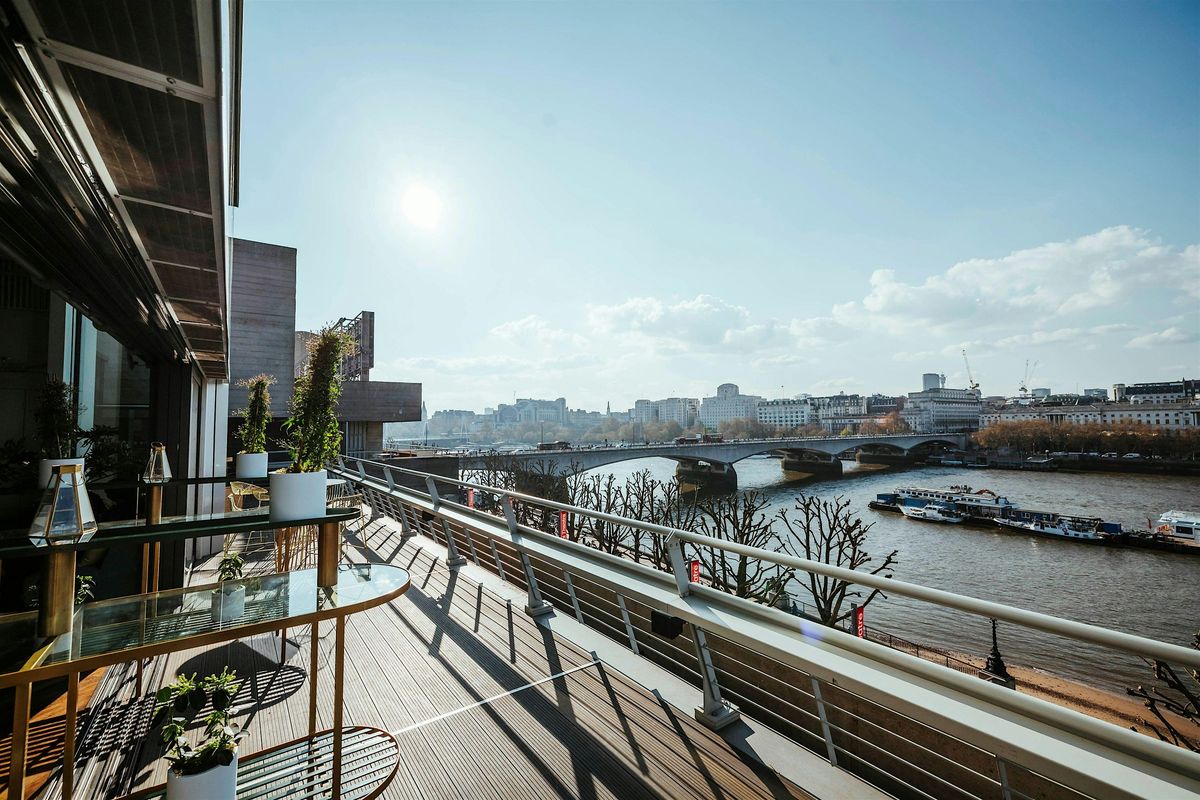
{"x":251,"y":462}
{"x":206,"y":770}
{"x":314,"y":437}
{"x":56,"y":428}
{"x":229,"y":599}
{"x":85,"y":589}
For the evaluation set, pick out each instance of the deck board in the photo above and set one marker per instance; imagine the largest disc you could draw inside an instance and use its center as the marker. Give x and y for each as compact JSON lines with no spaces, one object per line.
{"x":445,"y":645}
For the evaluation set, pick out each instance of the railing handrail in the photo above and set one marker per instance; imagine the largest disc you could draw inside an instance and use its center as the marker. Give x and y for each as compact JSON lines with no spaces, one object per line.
{"x":1132,"y":643}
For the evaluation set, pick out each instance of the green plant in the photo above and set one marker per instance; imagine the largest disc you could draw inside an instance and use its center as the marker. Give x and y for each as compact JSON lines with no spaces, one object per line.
{"x":179,"y":701}
{"x":253,"y":431}
{"x":229,"y":568}
{"x":314,"y":437}
{"x":55,"y":419}
{"x":85,"y":586}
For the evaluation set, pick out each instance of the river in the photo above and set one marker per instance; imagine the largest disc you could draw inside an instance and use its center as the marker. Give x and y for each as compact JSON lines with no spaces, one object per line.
{"x":1149,"y":593}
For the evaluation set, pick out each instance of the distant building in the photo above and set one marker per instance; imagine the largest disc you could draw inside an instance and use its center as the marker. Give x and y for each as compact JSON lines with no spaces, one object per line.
{"x":452,"y":421}
{"x":728,"y":404}
{"x":786,"y":413}
{"x":1041,"y":392}
{"x":1168,"y":416}
{"x":1162,"y":392}
{"x":937,"y":409}
{"x":683,"y":410}
{"x":529,"y":410}
{"x":1100,"y":393}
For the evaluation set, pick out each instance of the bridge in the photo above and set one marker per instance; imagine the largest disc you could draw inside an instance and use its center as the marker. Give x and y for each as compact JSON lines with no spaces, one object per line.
{"x":712,"y":462}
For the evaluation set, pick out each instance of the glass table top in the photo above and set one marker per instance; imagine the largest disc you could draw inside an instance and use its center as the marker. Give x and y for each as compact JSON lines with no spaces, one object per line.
{"x":16,"y":542}
{"x":108,"y":631}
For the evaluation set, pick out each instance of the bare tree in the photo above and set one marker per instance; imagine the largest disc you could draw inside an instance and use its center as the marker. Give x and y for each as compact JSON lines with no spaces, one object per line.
{"x":827,"y":531}
{"x":739,"y":518}
{"x":1174,"y":701}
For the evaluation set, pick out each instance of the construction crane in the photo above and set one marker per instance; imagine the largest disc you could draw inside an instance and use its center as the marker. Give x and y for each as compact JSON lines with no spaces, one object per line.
{"x":970,"y":378}
{"x":1027,"y":377}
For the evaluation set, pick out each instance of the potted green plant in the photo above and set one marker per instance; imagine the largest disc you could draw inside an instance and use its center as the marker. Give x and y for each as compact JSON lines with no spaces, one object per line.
{"x":56,"y":428}
{"x":314,"y":436}
{"x":251,"y":461}
{"x":206,"y":770}
{"x":229,"y":599}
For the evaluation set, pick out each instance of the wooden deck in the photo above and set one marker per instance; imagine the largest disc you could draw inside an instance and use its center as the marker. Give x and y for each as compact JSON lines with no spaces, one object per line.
{"x":484,"y":702}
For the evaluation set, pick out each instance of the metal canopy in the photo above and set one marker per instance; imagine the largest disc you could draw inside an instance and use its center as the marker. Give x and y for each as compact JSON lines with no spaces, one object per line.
{"x":135,"y":86}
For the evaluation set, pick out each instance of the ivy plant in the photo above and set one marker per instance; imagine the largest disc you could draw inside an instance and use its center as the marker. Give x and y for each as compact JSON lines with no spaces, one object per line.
{"x":55,"y":420}
{"x":229,"y":568}
{"x":177,"y":704}
{"x":252,"y":433}
{"x":314,"y":436}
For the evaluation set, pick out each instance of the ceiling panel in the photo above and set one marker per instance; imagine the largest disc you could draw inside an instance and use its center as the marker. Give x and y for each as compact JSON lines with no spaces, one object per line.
{"x":152,"y":143}
{"x":174,"y":236}
{"x":186,"y":283}
{"x":158,"y":35}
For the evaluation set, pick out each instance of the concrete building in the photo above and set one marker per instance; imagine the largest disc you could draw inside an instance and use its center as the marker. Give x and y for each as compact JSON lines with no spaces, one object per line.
{"x":1101,"y":394}
{"x":1168,"y":416}
{"x":263,"y":339}
{"x":1041,"y":392}
{"x":727,"y":404}
{"x":1160,"y":392}
{"x":937,"y":409}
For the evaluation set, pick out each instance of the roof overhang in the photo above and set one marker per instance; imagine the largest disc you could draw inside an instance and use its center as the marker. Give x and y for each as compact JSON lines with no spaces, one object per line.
{"x":137,"y":92}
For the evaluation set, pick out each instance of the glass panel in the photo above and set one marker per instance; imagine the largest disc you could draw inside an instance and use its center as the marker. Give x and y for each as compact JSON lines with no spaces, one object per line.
{"x":172,"y":617}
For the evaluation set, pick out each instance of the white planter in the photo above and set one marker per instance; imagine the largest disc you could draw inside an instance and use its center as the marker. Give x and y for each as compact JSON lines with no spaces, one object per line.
{"x":218,"y":783}
{"x":250,"y":465}
{"x":297,"y":495}
{"x":46,"y":463}
{"x":228,"y":604}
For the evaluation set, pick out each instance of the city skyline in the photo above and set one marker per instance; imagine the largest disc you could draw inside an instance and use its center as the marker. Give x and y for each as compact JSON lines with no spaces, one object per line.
{"x":805,"y":198}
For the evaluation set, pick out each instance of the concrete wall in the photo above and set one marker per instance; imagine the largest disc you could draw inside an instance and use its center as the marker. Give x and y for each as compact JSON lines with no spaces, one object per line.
{"x":379,"y":401}
{"x":262,"y":320}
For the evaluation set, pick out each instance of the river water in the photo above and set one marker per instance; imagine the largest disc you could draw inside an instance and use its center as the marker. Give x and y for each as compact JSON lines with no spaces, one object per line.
{"x":1146,"y":592}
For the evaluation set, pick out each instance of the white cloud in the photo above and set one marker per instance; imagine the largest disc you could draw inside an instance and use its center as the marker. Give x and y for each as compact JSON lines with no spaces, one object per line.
{"x":1060,"y":278}
{"x":533,"y":329}
{"x":1172,"y":335}
{"x":1083,"y":336}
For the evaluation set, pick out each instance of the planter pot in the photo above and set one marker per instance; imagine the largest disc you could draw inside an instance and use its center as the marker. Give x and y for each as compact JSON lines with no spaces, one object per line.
{"x":250,"y":465}
{"x":228,"y":604}
{"x":46,"y":463}
{"x":218,"y":783}
{"x":297,"y":495}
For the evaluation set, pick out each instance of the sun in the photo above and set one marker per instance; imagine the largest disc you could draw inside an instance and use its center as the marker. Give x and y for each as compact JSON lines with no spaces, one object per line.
{"x":422,"y":207}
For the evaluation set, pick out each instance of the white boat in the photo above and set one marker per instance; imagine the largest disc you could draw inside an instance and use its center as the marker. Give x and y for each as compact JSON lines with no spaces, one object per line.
{"x":1061,"y":528}
{"x":971,"y":502}
{"x":931,"y":512}
{"x":1182,"y":524}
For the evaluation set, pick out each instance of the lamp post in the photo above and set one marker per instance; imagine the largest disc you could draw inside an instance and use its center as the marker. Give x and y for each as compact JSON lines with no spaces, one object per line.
{"x":63,"y":520}
{"x":156,"y":475}
{"x":997,"y":671}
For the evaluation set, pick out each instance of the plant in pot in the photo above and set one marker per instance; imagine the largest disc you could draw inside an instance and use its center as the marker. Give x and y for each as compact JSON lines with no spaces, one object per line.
{"x":206,"y":770}
{"x":314,"y":436}
{"x":229,"y":599}
{"x":56,"y":428}
{"x":251,"y":462}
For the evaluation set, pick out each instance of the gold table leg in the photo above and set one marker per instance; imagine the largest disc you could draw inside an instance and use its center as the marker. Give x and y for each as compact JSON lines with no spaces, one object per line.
{"x":68,"y":776}
{"x":57,"y":608}
{"x":20,"y":742}
{"x":314,"y":655}
{"x":339,"y":679}
{"x":329,"y":552}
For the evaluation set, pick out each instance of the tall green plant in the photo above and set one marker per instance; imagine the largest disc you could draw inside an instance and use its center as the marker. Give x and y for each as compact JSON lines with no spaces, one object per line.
{"x":314,"y":437}
{"x":253,"y":431}
{"x":55,"y":418}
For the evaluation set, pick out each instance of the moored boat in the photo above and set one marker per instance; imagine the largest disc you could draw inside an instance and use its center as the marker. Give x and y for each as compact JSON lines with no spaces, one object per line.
{"x":1183,"y":525}
{"x":975,"y":503}
{"x":932,"y":512}
{"x":1055,"y":525}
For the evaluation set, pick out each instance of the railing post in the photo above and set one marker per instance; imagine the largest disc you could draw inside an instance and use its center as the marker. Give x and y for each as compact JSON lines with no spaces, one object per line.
{"x":362,"y":471}
{"x":536,"y":606}
{"x":715,"y":713}
{"x":571,"y":592}
{"x":683,"y":580}
{"x":825,"y":729}
{"x":405,"y":529}
{"x":1002,"y":769}
{"x":341,"y":462}
{"x":391,"y":480}
{"x":453,"y":559}
{"x":633,"y":645}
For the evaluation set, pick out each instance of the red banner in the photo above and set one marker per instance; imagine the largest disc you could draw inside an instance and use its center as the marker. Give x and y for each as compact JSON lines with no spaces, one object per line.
{"x":470,"y":498}
{"x":562,"y":524}
{"x":695,"y":571}
{"x":860,"y":625}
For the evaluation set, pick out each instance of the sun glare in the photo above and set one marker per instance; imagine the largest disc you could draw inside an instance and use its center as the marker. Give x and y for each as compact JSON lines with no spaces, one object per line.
{"x":422,"y":207}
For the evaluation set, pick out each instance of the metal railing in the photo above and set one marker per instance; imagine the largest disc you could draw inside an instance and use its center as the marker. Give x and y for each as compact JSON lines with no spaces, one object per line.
{"x":1010,"y":733}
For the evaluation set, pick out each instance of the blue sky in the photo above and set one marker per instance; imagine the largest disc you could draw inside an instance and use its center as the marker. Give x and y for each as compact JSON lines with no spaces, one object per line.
{"x":614,"y":201}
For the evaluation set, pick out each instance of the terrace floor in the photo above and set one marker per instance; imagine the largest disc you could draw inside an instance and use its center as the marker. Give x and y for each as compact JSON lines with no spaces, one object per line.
{"x":484,"y":702}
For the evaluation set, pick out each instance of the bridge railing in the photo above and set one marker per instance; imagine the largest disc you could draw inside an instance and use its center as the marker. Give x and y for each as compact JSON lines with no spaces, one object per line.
{"x":1022,"y":734}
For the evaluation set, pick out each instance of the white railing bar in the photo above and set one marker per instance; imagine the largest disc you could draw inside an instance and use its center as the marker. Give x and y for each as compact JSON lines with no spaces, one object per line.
{"x":1184,"y":656}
